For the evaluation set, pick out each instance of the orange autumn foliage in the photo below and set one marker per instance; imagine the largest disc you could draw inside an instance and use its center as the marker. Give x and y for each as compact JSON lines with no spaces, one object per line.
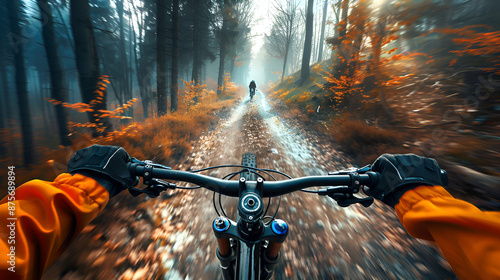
{"x":163,"y":139}
{"x":194,"y":94}
{"x":82,"y":107}
{"x":476,"y":43}
{"x":367,"y":56}
{"x":397,"y":80}
{"x":344,"y":88}
{"x":304,"y":97}
{"x":284,"y":94}
{"x":228,"y":87}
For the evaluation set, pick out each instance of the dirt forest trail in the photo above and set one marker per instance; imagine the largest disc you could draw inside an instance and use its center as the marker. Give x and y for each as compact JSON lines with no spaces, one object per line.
{"x":325,"y":240}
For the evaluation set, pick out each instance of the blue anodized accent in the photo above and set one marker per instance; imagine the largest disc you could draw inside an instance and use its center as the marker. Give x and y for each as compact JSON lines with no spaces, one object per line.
{"x":279,"y":227}
{"x":220,"y":228}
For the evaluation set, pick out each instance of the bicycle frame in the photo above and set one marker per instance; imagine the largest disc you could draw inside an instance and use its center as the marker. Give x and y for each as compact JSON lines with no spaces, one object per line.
{"x":252,"y":92}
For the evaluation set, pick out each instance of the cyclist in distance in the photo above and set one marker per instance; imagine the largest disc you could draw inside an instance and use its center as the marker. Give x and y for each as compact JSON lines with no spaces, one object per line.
{"x":252,"y":87}
{"x":51,"y":214}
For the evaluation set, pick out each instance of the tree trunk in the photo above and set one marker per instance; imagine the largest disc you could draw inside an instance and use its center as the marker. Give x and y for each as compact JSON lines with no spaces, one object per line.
{"x":175,"y":55}
{"x":21,"y":85}
{"x":143,"y":71}
{"x":10,"y":122}
{"x":65,"y":27}
{"x":322,"y":37}
{"x":124,"y":81}
{"x":222,"y":46}
{"x":306,"y":57}
{"x":340,"y":58}
{"x":220,"y":77}
{"x":195,"y":75}
{"x":87,"y":64}
{"x":144,"y":81}
{"x":56,"y":73}
{"x":336,"y":10}
{"x":200,"y":40}
{"x":42,"y":101}
{"x":145,"y":107}
{"x":377,"y":41}
{"x":4,"y":106}
{"x":130,"y":72}
{"x":232,"y":63}
{"x":161,"y":52}
{"x":287,"y":49}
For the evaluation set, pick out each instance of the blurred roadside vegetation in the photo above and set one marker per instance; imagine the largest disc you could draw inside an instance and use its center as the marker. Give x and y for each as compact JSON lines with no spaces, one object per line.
{"x":423,"y":103}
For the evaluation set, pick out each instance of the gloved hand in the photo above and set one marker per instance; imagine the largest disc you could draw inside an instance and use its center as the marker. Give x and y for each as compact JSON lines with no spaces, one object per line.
{"x":400,"y":173}
{"x":105,"y":164}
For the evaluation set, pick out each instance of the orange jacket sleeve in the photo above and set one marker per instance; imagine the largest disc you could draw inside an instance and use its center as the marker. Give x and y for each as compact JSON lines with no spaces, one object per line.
{"x":49,"y":216}
{"x":468,"y":237}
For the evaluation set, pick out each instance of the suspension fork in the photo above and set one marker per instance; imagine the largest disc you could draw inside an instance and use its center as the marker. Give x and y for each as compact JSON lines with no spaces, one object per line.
{"x":248,"y":260}
{"x":225,"y":252}
{"x":241,"y":261}
{"x":271,"y":255}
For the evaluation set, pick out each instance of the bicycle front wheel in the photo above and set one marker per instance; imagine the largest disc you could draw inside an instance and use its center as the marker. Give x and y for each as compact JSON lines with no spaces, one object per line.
{"x":249,"y":160}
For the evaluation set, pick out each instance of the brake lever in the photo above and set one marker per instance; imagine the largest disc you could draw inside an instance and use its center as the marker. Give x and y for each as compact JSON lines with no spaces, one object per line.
{"x":153,"y":190}
{"x":344,"y":196}
{"x":150,"y":163}
{"x":345,"y":202}
{"x":348,"y":171}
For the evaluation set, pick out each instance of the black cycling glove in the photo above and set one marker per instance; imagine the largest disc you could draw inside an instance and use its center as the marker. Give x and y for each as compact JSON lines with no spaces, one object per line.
{"x":105,"y":164}
{"x":400,"y":173}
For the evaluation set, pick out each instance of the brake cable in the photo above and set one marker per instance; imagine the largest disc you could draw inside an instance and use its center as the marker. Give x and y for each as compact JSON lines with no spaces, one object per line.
{"x":232,"y":175}
{"x":250,"y":170}
{"x":344,"y":196}
{"x":156,"y":186}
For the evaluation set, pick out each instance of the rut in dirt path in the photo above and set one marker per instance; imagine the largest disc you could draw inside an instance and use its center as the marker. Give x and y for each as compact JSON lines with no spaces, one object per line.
{"x":325,"y":240}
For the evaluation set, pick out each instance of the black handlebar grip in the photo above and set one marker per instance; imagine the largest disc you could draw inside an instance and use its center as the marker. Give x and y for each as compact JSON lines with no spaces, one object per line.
{"x":444,"y":177}
{"x":131,"y":167}
{"x":374,"y":178}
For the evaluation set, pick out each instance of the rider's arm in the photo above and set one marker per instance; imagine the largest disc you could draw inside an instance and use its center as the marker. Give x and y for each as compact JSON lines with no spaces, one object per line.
{"x":49,"y":216}
{"x":468,"y":237}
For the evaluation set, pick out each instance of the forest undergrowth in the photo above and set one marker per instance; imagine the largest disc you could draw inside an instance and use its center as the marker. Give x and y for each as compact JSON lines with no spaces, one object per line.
{"x":428,"y":115}
{"x":374,"y":95}
{"x":165,"y":139}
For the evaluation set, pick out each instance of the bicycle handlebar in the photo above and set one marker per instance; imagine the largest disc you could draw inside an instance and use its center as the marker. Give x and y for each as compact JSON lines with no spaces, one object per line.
{"x":270,"y":188}
{"x":347,"y":182}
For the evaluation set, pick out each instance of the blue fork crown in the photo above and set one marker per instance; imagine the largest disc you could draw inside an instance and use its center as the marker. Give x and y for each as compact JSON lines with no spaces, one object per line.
{"x":279,"y":227}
